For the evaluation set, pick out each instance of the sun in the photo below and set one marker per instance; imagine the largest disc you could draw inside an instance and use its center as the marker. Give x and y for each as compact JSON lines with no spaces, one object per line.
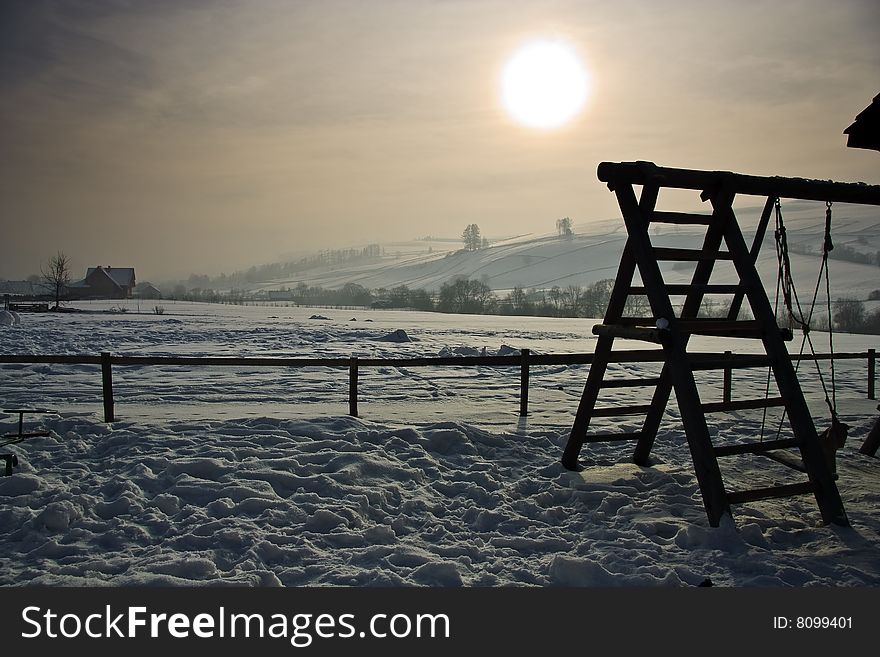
{"x":544,"y":85}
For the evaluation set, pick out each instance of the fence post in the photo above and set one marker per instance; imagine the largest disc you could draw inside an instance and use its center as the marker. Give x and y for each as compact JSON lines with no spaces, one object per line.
{"x":107,"y":385}
{"x":728,"y":377}
{"x":872,"y":373}
{"x":524,"y":383}
{"x":353,"y":386}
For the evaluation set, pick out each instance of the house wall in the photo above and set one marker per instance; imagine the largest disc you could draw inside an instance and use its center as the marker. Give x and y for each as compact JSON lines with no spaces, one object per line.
{"x":100,"y":286}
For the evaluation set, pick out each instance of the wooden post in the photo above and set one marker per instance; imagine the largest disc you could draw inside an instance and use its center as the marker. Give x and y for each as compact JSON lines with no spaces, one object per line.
{"x":728,"y":377}
{"x":353,"y":386}
{"x":524,"y":383}
{"x":872,"y":373}
{"x":107,"y":385}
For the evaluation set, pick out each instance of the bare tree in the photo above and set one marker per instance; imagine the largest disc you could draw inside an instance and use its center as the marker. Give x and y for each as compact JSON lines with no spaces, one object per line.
{"x":56,"y":275}
{"x":849,"y":314}
{"x":572,"y":298}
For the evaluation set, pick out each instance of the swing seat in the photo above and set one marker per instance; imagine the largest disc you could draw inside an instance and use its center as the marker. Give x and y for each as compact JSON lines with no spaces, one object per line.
{"x":832,"y":439}
{"x":835,"y":435}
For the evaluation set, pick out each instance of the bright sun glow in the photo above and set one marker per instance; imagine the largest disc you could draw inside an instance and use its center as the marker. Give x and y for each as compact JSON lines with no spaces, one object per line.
{"x":544,"y":85}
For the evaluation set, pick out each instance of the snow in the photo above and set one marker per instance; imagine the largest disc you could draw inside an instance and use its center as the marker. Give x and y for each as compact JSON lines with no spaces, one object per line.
{"x":593,"y":253}
{"x":397,"y":335}
{"x":8,"y":318}
{"x":256,"y":476}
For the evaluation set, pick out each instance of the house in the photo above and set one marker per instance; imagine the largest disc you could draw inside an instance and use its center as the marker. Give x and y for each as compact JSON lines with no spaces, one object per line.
{"x":147,"y":290}
{"x":104,"y":283}
{"x":23,"y":289}
{"x":864,"y":132}
{"x":24,"y":295}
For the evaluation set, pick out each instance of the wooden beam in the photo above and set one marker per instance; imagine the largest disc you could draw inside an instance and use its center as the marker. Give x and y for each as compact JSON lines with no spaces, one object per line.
{"x":631,"y":333}
{"x":688,"y":255}
{"x":739,"y":497}
{"x":639,"y":173}
{"x":524,"y":383}
{"x":742,"y":405}
{"x":682,"y":218}
{"x":353,"y":386}
{"x":755,"y":448}
{"x":107,"y":386}
{"x":614,"y":411}
{"x":760,"y":231}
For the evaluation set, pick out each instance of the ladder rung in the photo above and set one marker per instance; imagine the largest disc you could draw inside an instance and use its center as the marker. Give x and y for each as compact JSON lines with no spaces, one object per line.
{"x":689,"y":255}
{"x":631,"y":332}
{"x":676,"y":289}
{"x":755,"y":448}
{"x":630,"y":383}
{"x":728,"y":328}
{"x":742,"y":405}
{"x":682,"y":218}
{"x":788,"y":490}
{"x":734,"y":361}
{"x":610,"y":437}
{"x":636,"y":321}
{"x":637,"y":356}
{"x":612,"y":411}
{"x":790,"y":462}
{"x":706,"y":324}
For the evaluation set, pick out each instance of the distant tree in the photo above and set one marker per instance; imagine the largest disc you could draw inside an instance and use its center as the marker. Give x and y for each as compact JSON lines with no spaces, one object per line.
{"x":421,"y":300}
{"x":56,"y":275}
{"x":399,"y":296}
{"x":872,"y":323}
{"x":563,"y":227}
{"x":572,"y":298}
{"x":518,"y":302}
{"x":849,"y":314}
{"x":463,"y":295}
{"x":471,"y":237}
{"x":636,"y":305}
{"x":484,"y":244}
{"x":353,"y":294}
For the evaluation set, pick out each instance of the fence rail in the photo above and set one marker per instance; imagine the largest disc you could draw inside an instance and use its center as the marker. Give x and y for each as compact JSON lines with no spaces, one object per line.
{"x":725,"y":361}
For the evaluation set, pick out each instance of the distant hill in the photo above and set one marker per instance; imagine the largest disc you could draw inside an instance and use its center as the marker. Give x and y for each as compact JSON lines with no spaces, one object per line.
{"x":543,"y":261}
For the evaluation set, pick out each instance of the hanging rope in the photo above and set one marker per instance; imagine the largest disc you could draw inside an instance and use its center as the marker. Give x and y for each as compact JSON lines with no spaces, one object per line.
{"x":785,"y":284}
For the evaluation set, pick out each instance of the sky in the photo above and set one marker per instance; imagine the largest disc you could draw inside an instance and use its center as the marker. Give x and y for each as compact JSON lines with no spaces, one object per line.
{"x":181,"y":136}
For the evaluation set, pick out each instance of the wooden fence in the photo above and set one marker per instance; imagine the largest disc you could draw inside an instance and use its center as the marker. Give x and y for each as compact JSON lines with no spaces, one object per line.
{"x":725,"y":362}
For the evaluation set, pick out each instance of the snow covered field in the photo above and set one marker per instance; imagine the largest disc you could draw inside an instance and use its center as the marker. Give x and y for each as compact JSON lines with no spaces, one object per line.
{"x":257,"y":476}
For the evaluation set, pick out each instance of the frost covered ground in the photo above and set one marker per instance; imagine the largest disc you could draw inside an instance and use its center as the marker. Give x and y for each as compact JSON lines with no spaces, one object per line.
{"x":256,"y":476}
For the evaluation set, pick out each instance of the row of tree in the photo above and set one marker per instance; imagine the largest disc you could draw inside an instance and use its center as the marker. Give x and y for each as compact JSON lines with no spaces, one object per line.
{"x":850,"y":316}
{"x":473,"y":241}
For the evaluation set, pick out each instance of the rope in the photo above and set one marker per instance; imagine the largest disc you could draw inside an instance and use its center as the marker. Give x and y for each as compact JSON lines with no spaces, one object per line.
{"x":792,"y":300}
{"x":827,"y":248}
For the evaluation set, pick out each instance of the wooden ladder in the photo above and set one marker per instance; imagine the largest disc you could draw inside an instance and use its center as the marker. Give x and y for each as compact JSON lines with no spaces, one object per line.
{"x":723,"y":240}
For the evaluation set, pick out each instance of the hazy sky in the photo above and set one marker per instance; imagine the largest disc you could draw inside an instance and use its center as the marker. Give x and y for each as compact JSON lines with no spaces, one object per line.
{"x":182,"y":136}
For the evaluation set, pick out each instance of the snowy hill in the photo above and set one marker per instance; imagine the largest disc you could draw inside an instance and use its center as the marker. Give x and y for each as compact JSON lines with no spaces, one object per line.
{"x":543,"y":261}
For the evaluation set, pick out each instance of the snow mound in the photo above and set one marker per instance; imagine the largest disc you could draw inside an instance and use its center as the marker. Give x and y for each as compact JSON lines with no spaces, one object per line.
{"x":398,"y":335}
{"x":6,"y":318}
